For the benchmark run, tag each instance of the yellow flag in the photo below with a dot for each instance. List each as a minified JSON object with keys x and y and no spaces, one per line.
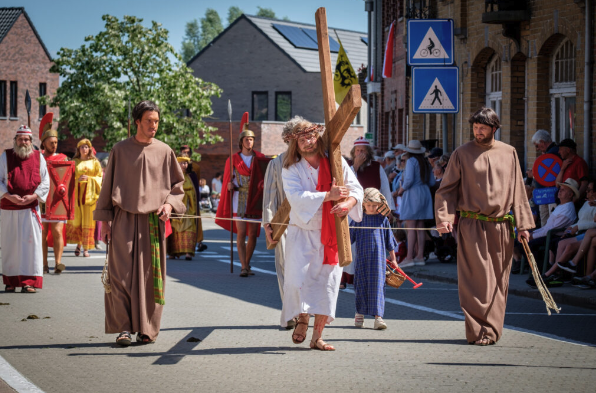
{"x":344,"y":76}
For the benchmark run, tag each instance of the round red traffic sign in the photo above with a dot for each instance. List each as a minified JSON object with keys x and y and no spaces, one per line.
{"x":546,"y":168}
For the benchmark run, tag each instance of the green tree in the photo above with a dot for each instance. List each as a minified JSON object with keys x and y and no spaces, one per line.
{"x":191,"y":42}
{"x":129,"y":61}
{"x":233,"y":14}
{"x":210,"y":27}
{"x":266,"y":13}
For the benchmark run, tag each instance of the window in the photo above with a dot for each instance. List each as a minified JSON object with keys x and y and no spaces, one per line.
{"x":494,"y":94}
{"x":13,"y":99}
{"x":42,"y":92}
{"x":260,"y":106}
{"x":563,"y":91}
{"x":283,"y":106}
{"x":2,"y":98}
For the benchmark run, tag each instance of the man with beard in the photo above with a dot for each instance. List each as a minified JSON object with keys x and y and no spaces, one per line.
{"x":483,"y":181}
{"x":246,"y":203}
{"x":53,"y":233}
{"x":142,"y":186}
{"x":312,"y":271}
{"x":24,"y":182}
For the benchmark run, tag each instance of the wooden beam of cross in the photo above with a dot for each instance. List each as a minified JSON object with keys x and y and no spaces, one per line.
{"x":336,"y":125}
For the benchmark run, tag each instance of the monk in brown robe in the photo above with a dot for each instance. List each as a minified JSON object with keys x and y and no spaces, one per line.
{"x":484,"y":182}
{"x":142,"y":185}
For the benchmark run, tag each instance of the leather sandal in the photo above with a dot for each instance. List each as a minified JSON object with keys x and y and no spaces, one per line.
{"x":144,"y":339}
{"x":321,"y":345}
{"x":244,"y":273}
{"x":124,"y":339}
{"x":301,"y":337}
{"x":46,"y":269}
{"x":9,"y":289}
{"x":59,"y":268}
{"x":28,"y":289}
{"x":86,"y":253}
{"x":77,"y":251}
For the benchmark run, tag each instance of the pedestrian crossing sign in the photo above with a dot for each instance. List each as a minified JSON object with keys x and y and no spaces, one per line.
{"x":430,"y":42}
{"x":435,"y":89}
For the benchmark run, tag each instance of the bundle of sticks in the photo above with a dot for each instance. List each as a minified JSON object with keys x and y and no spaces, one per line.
{"x":546,"y":296}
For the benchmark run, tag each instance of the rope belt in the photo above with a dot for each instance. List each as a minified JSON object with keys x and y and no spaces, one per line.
{"x":482,"y":217}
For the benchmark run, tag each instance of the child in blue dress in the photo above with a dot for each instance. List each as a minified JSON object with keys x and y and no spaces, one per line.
{"x":372,"y":246}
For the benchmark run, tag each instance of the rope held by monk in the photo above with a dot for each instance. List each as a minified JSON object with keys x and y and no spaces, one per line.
{"x":105,"y":278}
{"x":176,"y":215}
{"x":546,"y":296}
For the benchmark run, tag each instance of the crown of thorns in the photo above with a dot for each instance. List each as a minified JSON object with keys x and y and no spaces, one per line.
{"x":315,"y":128}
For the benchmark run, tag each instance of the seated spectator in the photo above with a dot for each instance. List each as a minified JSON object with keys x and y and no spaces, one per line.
{"x":562,"y":217}
{"x":216,"y":189}
{"x":543,"y":142}
{"x":533,"y":206}
{"x":204,"y":194}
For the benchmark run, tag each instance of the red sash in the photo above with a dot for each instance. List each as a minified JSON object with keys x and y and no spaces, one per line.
{"x":328,"y":234}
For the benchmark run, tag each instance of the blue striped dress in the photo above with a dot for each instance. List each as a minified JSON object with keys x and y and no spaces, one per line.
{"x":372,"y":246}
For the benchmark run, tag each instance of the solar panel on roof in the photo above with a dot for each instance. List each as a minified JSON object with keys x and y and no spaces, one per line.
{"x":364,"y":39}
{"x":312,"y":33}
{"x":296,"y":36}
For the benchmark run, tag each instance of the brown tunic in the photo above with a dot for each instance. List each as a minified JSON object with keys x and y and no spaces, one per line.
{"x":485,"y":180}
{"x":138,"y":180}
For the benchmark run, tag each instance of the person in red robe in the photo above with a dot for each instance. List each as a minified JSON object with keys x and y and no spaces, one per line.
{"x":53,"y":233}
{"x":247,"y":201}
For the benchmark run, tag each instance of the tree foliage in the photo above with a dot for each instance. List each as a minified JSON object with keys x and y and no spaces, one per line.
{"x":210,"y":27}
{"x":266,"y":13}
{"x":129,"y":61}
{"x":233,"y":14}
{"x":191,"y":43}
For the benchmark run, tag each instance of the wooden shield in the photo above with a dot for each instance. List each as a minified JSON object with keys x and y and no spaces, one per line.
{"x":60,"y":202}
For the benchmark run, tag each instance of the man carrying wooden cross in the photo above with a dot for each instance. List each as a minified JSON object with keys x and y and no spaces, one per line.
{"x":312,"y":272}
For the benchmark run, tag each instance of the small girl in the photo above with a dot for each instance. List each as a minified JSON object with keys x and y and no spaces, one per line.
{"x":402,"y":249}
{"x":372,"y":244}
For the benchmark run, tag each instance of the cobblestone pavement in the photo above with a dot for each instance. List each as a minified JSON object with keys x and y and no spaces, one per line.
{"x":220,"y":332}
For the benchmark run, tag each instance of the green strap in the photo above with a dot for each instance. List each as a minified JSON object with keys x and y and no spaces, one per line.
{"x":482,"y":217}
{"x":158,"y":294}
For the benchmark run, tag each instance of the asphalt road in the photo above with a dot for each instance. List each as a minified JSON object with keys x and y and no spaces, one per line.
{"x":221,"y":332}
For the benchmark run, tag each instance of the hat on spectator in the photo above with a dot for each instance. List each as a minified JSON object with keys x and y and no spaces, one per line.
{"x":399,"y":146}
{"x":568,"y":143}
{"x":435,"y":152}
{"x":389,"y":154}
{"x":361,"y":142}
{"x":572,"y":184}
{"x":415,"y":147}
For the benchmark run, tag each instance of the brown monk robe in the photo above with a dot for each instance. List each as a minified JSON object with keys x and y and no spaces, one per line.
{"x":483,"y":179}
{"x":140,"y":177}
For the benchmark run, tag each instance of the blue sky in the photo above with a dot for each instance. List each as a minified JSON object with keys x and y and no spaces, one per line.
{"x":65,"y":23}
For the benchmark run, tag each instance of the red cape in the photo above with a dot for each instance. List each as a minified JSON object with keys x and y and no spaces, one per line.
{"x":50,"y":238}
{"x":254,"y":206}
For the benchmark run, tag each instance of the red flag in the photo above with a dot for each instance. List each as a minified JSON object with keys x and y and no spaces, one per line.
{"x":388,"y":61}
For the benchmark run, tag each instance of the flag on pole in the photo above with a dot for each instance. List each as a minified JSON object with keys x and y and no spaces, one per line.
{"x":344,"y":76}
{"x":388,"y":61}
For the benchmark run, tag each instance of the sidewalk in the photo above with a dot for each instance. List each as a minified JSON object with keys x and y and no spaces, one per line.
{"x":565,"y":295}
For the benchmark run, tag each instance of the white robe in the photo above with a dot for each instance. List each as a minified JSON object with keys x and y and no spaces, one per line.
{"x":20,"y":231}
{"x":309,"y":286}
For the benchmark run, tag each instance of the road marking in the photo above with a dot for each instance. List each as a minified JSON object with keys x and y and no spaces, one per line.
{"x":254,"y":252}
{"x":14,"y":379}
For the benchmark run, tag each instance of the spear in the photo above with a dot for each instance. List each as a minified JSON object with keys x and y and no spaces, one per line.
{"x":28,"y":106}
{"x":231,"y":193}
{"x":129,"y":117}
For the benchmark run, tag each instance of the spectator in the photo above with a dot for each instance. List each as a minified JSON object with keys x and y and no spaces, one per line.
{"x":395,"y":184}
{"x":216,"y":189}
{"x":416,"y":200}
{"x":439,"y":167}
{"x":204,"y":194}
{"x":389,"y":161}
{"x":574,"y":167}
{"x":545,"y":145}
{"x":398,"y":149}
{"x":434,"y":155}
{"x":562,"y":217}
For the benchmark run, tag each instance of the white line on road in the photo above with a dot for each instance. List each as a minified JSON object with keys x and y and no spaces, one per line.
{"x":14,"y":379}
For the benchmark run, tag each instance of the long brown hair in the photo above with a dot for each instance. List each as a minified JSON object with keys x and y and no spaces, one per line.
{"x":293,"y":154}
{"x":425,"y":169}
{"x":78,"y":151}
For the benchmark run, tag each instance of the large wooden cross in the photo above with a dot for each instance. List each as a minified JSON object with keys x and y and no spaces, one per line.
{"x":337,"y":123}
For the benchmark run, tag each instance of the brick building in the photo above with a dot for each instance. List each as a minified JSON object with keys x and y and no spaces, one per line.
{"x":24,"y":65}
{"x":525,"y":59}
{"x":269,"y":68}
